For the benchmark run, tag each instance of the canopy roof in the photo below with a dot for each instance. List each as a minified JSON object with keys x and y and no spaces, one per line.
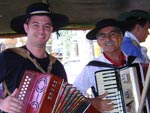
{"x":83,"y":14}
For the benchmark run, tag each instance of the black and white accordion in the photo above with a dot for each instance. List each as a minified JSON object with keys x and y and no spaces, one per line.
{"x":124,"y":86}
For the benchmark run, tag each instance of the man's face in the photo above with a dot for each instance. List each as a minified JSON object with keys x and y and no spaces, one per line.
{"x":38,"y":29}
{"x":143,"y":32}
{"x":109,"y":39}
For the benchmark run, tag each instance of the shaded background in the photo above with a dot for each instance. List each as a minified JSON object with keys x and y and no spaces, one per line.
{"x":83,"y":14}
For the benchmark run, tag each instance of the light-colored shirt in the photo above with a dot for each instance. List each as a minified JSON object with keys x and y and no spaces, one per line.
{"x":86,"y":79}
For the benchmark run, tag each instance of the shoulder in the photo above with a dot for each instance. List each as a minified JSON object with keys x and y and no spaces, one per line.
{"x":8,"y":53}
{"x":10,"y":56}
{"x":56,"y":61}
{"x":12,"y":50}
{"x":130,"y":48}
{"x":101,"y":58}
{"x":58,"y":69}
{"x":56,"y":64}
{"x":127,"y":41}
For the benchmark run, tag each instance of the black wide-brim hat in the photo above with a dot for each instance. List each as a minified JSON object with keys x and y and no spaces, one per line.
{"x":58,"y":20}
{"x":91,"y":35}
{"x":136,"y":14}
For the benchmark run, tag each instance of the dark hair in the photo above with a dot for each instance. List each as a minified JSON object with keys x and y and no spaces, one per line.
{"x":130,"y":23}
{"x":117,"y":29}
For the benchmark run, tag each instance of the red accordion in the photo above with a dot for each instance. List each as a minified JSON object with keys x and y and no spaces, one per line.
{"x":47,"y":93}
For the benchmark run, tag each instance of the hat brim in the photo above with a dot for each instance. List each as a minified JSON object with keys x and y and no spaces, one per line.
{"x":127,"y":15}
{"x":91,"y":35}
{"x":58,"y":21}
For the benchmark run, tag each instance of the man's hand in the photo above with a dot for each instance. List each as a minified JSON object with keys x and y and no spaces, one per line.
{"x":102,"y":104}
{"x":11,"y":104}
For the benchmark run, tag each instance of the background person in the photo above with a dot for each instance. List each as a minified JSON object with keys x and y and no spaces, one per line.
{"x":137,"y":23}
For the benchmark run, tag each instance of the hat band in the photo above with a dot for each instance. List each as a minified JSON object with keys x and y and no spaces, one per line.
{"x":37,"y":12}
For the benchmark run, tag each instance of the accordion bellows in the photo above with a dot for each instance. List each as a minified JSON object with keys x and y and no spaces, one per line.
{"x":47,"y":93}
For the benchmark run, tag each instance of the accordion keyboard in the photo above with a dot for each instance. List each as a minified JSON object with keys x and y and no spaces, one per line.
{"x":107,"y":82}
{"x":122,"y":87}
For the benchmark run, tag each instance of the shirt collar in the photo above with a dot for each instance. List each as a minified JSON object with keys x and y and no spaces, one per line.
{"x":131,"y":36}
{"x":123,"y":58}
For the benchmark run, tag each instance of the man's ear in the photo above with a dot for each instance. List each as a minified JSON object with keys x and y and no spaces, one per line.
{"x":137,"y":27}
{"x":25,"y":27}
{"x":98,"y":43}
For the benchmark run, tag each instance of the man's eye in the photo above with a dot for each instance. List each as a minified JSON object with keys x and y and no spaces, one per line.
{"x":35,"y":25}
{"x":102,"y":36}
{"x":47,"y":26}
{"x":112,"y":33}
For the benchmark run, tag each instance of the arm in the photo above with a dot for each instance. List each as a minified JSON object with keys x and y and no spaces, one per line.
{"x":84,"y":81}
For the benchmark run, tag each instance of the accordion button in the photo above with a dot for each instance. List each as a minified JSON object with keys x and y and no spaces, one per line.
{"x":28,"y":82}
{"x":53,"y":85}
{"x":49,"y":97}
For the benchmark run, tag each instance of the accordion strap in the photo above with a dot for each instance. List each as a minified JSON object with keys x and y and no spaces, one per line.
{"x":103,"y":64}
{"x":25,"y":54}
{"x":100,"y":64}
{"x":6,"y":91}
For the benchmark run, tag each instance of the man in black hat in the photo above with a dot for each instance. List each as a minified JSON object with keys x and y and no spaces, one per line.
{"x":136,"y":25}
{"x":109,"y":36}
{"x":38,"y":23}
